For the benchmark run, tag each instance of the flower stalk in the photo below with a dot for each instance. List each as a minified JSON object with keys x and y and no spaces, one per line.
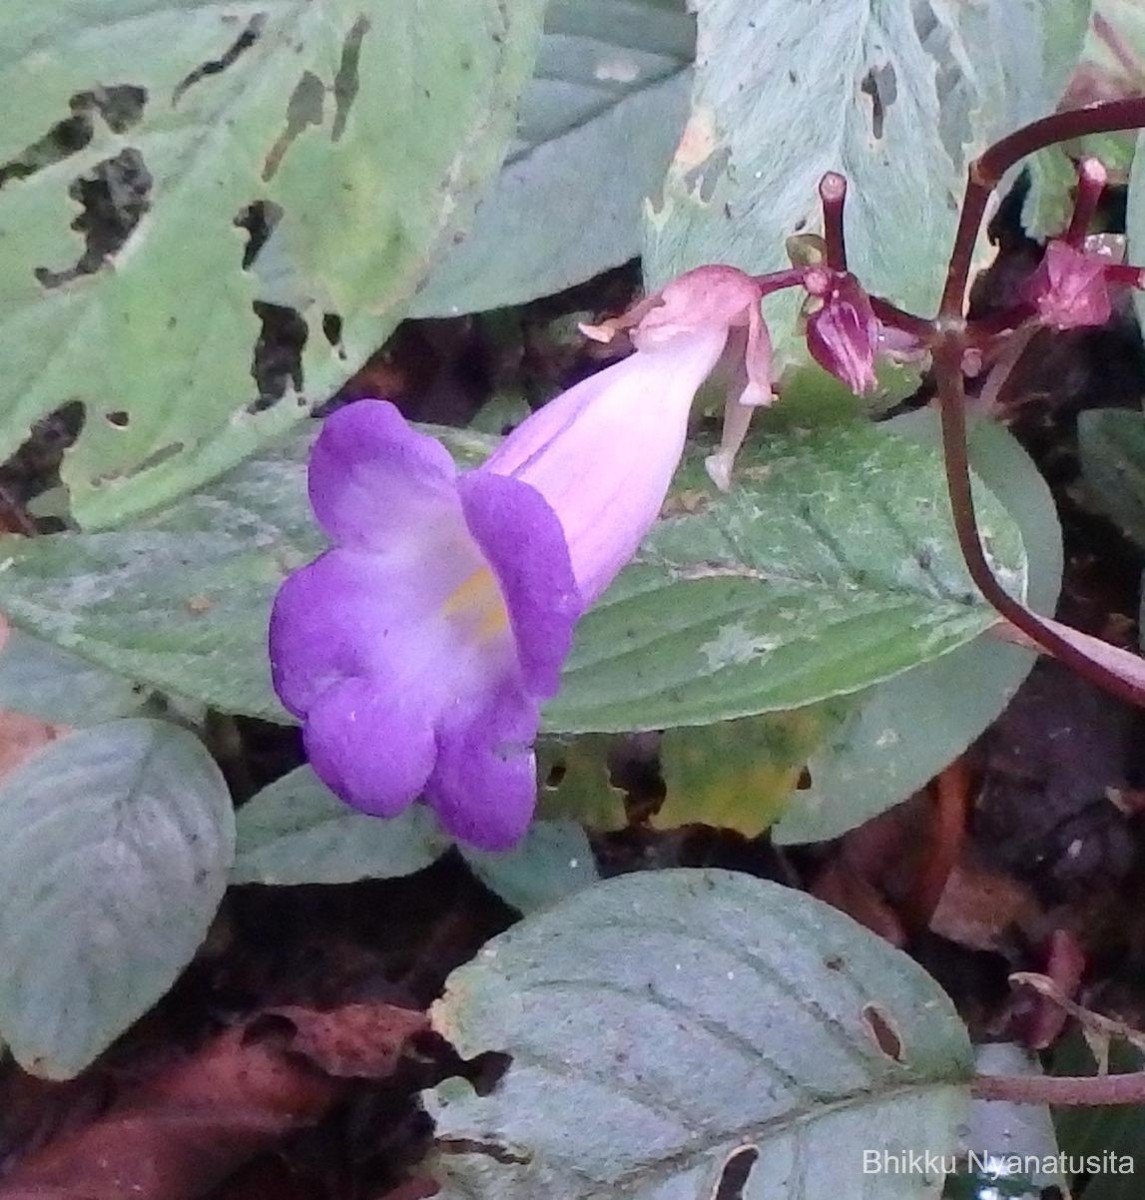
{"x":1071,"y":288}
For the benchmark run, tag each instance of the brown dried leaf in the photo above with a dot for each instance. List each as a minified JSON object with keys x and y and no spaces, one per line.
{"x":178,"y":1135}
{"x":357,"y":1041}
{"x":841,"y":886}
{"x":21,"y":736}
{"x":980,"y":908}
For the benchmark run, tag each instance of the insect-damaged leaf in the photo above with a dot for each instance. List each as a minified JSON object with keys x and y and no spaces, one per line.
{"x":659,"y":1024}
{"x":898,"y":97}
{"x":211,"y":214}
{"x":830,"y":565}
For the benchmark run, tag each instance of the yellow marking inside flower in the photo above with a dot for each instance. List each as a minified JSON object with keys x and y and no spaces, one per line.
{"x":478,"y":599}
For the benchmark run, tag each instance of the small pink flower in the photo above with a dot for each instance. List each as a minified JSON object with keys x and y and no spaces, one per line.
{"x":1070,"y":288}
{"x":843,"y":333}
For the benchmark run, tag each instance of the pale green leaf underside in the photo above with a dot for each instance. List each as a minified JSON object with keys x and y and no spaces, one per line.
{"x":114,"y":848}
{"x":658,"y":1023}
{"x":597,"y":127}
{"x":360,"y":129}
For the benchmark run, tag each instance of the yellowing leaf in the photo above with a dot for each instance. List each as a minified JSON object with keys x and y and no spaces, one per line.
{"x":740,"y":774}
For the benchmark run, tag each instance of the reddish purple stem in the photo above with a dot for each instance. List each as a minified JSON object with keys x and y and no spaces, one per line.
{"x":1091,"y":179}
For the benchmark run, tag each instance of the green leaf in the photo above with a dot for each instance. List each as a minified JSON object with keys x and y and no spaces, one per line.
{"x":505,"y":410}
{"x":114,"y":848}
{"x":1049,"y":203}
{"x":182,"y":599}
{"x":810,"y":567}
{"x":598,"y":125}
{"x":1111,"y":447}
{"x":897,"y":97}
{"x":553,"y":860}
{"x":306,"y":155}
{"x":47,"y":682}
{"x":739,"y":774}
{"x":903,"y":732}
{"x":1135,"y":219}
{"x":661,"y":1023}
{"x":830,"y":565}
{"x":297,"y":831}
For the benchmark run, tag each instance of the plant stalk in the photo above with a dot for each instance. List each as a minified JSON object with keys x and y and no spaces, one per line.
{"x":1067,"y":1091}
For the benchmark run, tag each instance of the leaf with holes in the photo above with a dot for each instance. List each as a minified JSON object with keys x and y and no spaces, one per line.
{"x":574,"y":782}
{"x":661,"y":1025}
{"x":900,"y":733}
{"x":740,"y":774}
{"x":830,"y":565}
{"x":210,"y":215}
{"x":897,"y":97}
{"x":598,"y":124}
{"x":114,"y":848}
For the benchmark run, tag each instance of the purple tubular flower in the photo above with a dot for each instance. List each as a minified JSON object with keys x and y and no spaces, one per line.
{"x":603,"y":453}
{"x":417,"y":650}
